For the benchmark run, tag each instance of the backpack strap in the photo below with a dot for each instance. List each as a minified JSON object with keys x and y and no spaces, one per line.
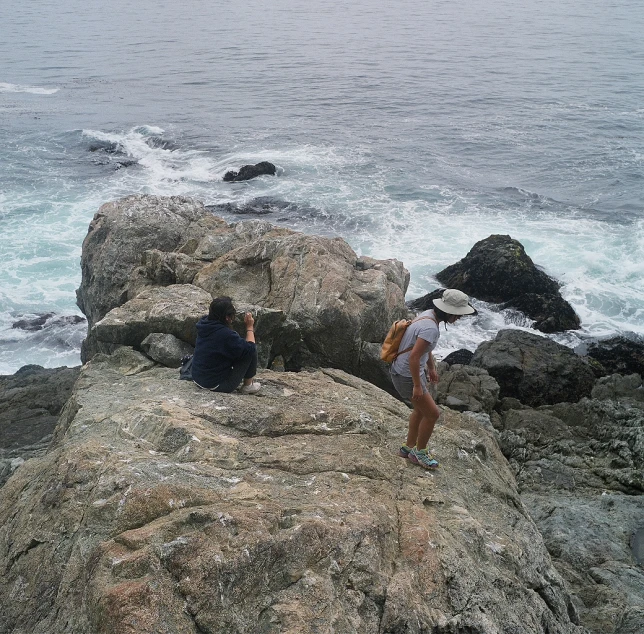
{"x":413,"y":320}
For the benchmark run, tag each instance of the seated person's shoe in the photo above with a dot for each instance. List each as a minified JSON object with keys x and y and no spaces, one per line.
{"x":253,"y":388}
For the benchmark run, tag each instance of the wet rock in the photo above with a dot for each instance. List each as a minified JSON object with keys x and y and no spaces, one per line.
{"x":246,"y":172}
{"x":260,"y":206}
{"x":498,"y":270}
{"x":30,"y":401}
{"x":460,"y":357}
{"x":182,"y":510}
{"x":533,"y":369}
{"x":38,"y":322}
{"x":619,"y":355}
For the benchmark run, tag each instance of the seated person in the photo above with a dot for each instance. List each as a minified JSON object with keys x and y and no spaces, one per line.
{"x":222,"y":359}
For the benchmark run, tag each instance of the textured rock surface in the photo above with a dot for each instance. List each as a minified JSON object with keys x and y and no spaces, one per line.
{"x":619,"y":355}
{"x":246,"y":172}
{"x":466,"y":388}
{"x":334,"y":304}
{"x":165,"y":508}
{"x":534,"y":369}
{"x":499,"y":270}
{"x":30,"y":401}
{"x":580,"y":470}
{"x":166,"y":349}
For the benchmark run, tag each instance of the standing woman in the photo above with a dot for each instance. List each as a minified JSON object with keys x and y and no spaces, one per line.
{"x":413,"y":366}
{"x":222,"y":359}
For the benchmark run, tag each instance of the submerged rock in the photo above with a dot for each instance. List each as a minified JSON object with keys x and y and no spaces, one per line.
{"x":183,"y":510}
{"x":246,"y":172}
{"x":498,"y":270}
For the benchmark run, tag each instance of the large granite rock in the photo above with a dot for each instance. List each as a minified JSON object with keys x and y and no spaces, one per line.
{"x":30,"y":401}
{"x":466,"y":389}
{"x":579,"y":467}
{"x":499,"y":270}
{"x":165,"y":508}
{"x":334,"y":306}
{"x":534,"y":369}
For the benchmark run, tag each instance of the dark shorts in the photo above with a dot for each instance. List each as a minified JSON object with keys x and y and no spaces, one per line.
{"x":405,"y":384}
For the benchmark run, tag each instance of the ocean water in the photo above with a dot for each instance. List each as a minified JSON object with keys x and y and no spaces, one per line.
{"x":410,"y":129}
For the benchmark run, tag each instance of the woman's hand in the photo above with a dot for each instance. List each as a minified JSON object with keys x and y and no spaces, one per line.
{"x":433,"y":375}
{"x":249,"y":321}
{"x":417,"y":393}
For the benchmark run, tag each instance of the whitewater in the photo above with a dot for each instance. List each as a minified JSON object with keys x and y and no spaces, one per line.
{"x":410,"y":131}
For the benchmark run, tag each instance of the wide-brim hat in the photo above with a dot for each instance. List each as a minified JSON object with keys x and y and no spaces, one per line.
{"x":454,"y":302}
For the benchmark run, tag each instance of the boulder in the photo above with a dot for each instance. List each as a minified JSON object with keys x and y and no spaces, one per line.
{"x":534,"y":369}
{"x":460,"y":357}
{"x":30,"y":401}
{"x":166,"y":349}
{"x":466,"y":388}
{"x":246,"y":172}
{"x":165,"y":508}
{"x":579,"y":468}
{"x":331,"y":304}
{"x":499,"y":270}
{"x":619,"y":355}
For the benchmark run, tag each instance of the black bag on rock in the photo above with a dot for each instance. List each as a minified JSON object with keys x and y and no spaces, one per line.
{"x":185,"y":371}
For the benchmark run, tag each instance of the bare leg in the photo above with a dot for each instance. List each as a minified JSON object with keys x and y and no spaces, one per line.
{"x":423,"y":418}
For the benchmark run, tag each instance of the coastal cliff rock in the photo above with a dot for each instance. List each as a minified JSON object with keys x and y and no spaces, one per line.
{"x":499,"y":270}
{"x":161,"y":507}
{"x":619,"y":355}
{"x":246,"y":172}
{"x":534,"y":369}
{"x":30,"y":401}
{"x":579,"y":467}
{"x":334,"y":306}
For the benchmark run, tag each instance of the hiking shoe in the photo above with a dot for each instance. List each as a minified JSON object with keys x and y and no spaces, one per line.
{"x":422,"y":459}
{"x":404,"y":451}
{"x":253,"y":388}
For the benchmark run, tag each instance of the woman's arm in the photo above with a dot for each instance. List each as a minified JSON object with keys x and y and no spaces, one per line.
{"x":250,"y":327}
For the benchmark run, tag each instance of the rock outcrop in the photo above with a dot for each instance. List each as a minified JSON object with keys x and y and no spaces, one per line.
{"x":322,"y":305}
{"x":533,"y":369}
{"x":619,"y":355}
{"x":161,"y":507}
{"x":246,"y":172}
{"x":30,"y":401}
{"x":499,"y":270}
{"x":579,"y":467}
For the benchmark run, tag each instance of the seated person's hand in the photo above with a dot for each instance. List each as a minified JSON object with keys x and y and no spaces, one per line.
{"x":248,"y":320}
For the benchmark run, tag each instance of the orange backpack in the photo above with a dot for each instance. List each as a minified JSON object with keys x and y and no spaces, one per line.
{"x":389,"y":351}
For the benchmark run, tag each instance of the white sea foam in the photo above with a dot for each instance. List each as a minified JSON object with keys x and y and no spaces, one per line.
{"x":34,"y":90}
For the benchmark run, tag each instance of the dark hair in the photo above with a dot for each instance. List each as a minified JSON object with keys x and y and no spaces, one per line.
{"x":441,"y":315}
{"x":220,"y":308}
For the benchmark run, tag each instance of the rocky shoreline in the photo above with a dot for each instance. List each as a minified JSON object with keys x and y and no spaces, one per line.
{"x":153,"y":506}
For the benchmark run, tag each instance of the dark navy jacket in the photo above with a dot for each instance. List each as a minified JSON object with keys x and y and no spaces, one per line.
{"x":217,"y":348}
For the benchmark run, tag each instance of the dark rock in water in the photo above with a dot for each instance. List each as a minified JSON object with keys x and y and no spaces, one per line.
{"x":33,"y":324}
{"x":619,"y":355}
{"x":160,"y":143}
{"x":533,"y":369}
{"x":498,"y":270}
{"x":260,"y":206}
{"x":461,"y":357}
{"x":30,"y":401}
{"x":124,"y":163}
{"x":247,"y":172}
{"x":425,"y":302}
{"x":109,"y":147}
{"x":551,"y":312}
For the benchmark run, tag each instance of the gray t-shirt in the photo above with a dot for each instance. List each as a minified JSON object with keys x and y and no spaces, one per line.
{"x":426,"y":329}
